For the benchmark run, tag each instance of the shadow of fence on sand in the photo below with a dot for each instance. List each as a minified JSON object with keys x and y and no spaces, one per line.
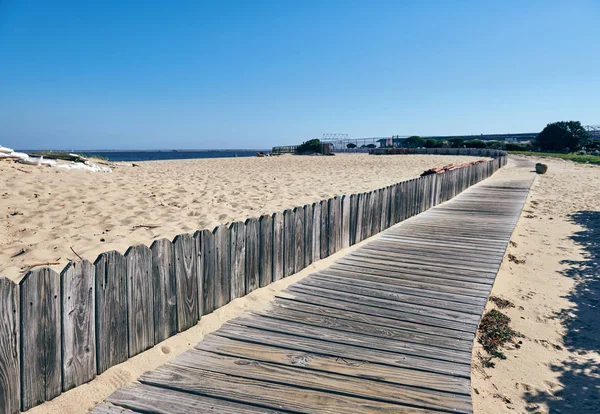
{"x":580,"y":376}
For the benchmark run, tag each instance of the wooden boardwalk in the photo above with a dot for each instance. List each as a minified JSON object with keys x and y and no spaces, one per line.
{"x":387,"y":328}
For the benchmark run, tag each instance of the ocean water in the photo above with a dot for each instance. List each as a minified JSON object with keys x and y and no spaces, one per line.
{"x":148,"y":155}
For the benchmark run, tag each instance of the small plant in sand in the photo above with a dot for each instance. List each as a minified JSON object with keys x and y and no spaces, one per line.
{"x":494,"y":332}
{"x":501,"y":303}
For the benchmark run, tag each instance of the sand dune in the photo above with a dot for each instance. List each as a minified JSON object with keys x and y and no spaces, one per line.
{"x":47,"y":211}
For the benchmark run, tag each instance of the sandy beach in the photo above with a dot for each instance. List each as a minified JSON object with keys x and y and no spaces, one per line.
{"x":47,"y":211}
{"x":555,"y":296}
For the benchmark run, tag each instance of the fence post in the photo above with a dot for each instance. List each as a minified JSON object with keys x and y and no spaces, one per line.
{"x":308,"y":235}
{"x":78,"y":317}
{"x":316,"y":231}
{"x":223,"y":266}
{"x":252,"y":254}
{"x":265,"y":264}
{"x":288,"y":242}
{"x":111,"y":310}
{"x":237,"y":251}
{"x":164,"y":290}
{"x":324,"y":232}
{"x":278,"y":246}
{"x":298,"y":239}
{"x":186,"y":281}
{"x":140,"y":312}
{"x":10,"y":372}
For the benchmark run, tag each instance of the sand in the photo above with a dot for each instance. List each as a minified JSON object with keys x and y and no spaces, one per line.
{"x":47,"y":212}
{"x":556,"y":297}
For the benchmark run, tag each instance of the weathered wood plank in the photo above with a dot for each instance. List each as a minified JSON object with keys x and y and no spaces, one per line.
{"x":164,"y":290}
{"x":252,"y":254}
{"x":278,"y":246}
{"x":288,"y":243}
{"x":78,"y":317}
{"x":41,"y":373}
{"x":146,"y":398}
{"x":110,"y":409}
{"x":10,"y":372}
{"x":360,"y":216}
{"x":345,"y":227}
{"x":237,"y":251}
{"x":308,"y":234}
{"x":111,"y":310}
{"x":324,"y":231}
{"x":140,"y":298}
{"x":316,"y":232}
{"x":298,"y":239}
{"x":186,"y":281}
{"x":265,"y":261}
{"x":199,"y":250}
{"x":325,"y":363}
{"x":223,"y":266}
{"x":333,"y":224}
{"x":209,"y":271}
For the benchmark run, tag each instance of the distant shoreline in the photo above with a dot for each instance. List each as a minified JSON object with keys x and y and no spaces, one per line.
{"x":159,"y":155}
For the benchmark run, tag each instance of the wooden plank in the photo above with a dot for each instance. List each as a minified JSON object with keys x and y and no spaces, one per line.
{"x":140,"y":299}
{"x":376,"y":221}
{"x":308,"y":234}
{"x":298,"y":239}
{"x":352,"y":219}
{"x":345,"y":228}
{"x":186,"y":281}
{"x":288,"y":242}
{"x":385,"y":209}
{"x":278,"y":246}
{"x":10,"y":372}
{"x":392,"y":205}
{"x":326,"y":363}
{"x":324,"y":231}
{"x":265,"y":262}
{"x":331,"y":383}
{"x":110,"y":409}
{"x":316,"y":231}
{"x":360,"y":215}
{"x":78,"y":318}
{"x":223,"y":266}
{"x":265,"y":394}
{"x":207,"y":256}
{"x":146,"y":398}
{"x":333,"y":222}
{"x":164,"y":290}
{"x":111,"y":310}
{"x":252,"y":254}
{"x":368,"y":216}
{"x":199,"y":250}
{"x":237,"y":251}
{"x":41,"y":373}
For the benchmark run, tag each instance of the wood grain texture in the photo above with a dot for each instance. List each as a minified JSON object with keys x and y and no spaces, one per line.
{"x":209,"y":271}
{"x":324,"y":230}
{"x":345,"y":225}
{"x":140,"y":298}
{"x":110,"y":409}
{"x":278,"y":246}
{"x":164,"y":288}
{"x":111,"y":310}
{"x":10,"y":373}
{"x":78,"y":318}
{"x":333,"y":225}
{"x":298,"y":239}
{"x":198,"y":242}
{"x":308,"y":235}
{"x":360,"y":214}
{"x":316,"y":232}
{"x":289,"y":246}
{"x":252,"y":254}
{"x":237,"y":251}
{"x":186,"y":281}
{"x":265,"y":263}
{"x":41,"y":370}
{"x":223,"y":266}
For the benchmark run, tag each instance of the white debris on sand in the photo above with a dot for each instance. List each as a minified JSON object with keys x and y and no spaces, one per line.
{"x":81,"y":164}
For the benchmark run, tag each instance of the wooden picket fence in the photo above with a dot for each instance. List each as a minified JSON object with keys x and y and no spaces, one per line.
{"x":58,"y":331}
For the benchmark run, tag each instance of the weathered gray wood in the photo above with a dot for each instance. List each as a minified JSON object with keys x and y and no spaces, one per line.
{"x":237,"y":251}
{"x":252,"y":254}
{"x":376,"y":224}
{"x":360,"y":215}
{"x":223,"y":266}
{"x":111,"y":310}
{"x":41,"y":373}
{"x":209,"y":260}
{"x":316,"y":232}
{"x":148,"y":399}
{"x":345,"y":227}
{"x":324,"y":231}
{"x":298,"y":239}
{"x":352,"y":219}
{"x":110,"y":409}
{"x":289,"y":246}
{"x":278,"y":246}
{"x":140,"y":298}
{"x":308,"y":235}
{"x":78,"y":317}
{"x":392,"y":205}
{"x":10,"y":373}
{"x":265,"y":263}
{"x":369,"y":214}
{"x":164,"y":290}
{"x":186,"y":281}
{"x":333,"y":224}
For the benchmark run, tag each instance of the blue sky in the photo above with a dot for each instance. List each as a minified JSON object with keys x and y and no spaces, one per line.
{"x":253,"y":74}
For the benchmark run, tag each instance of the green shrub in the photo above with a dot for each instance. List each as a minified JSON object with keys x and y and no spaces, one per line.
{"x":456,"y":142}
{"x":310,"y":146}
{"x":563,"y":136}
{"x":475,"y":143}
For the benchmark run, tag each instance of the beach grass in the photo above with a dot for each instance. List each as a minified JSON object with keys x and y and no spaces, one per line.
{"x":581,"y":159}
